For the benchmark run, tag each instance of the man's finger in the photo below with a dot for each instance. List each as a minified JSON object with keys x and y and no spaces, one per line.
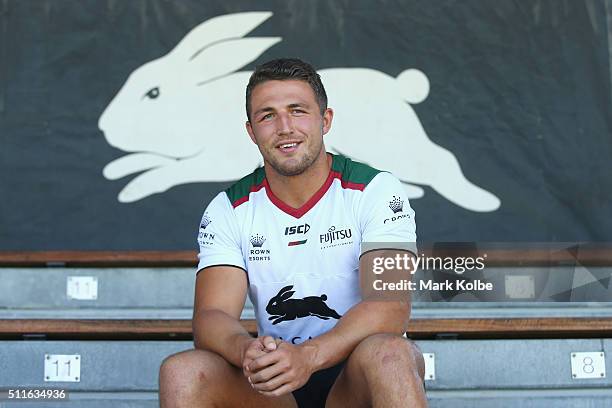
{"x":250,"y":356}
{"x":253,"y":354}
{"x":245,"y":364}
{"x":272,"y":384}
{"x":269,"y":342}
{"x":267,"y":373}
{"x":264,"y":361}
{"x":285,"y":389}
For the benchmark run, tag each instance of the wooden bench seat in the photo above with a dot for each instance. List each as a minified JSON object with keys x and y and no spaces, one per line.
{"x":587,"y":255}
{"x":122,"y":329}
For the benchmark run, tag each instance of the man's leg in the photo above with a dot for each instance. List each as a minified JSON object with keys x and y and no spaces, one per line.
{"x":384,"y":370}
{"x":198,"y":378}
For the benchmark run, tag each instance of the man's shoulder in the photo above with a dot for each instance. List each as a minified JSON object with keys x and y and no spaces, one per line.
{"x":239,"y":192}
{"x":353,"y":174}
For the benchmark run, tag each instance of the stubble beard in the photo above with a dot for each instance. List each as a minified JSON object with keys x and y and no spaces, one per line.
{"x":296,"y":167}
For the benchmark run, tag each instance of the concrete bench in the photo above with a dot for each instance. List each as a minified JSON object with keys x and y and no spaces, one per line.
{"x":479,"y":354}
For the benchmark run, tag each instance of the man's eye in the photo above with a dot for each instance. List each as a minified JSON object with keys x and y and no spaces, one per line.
{"x":266,"y":117}
{"x":298,"y":111}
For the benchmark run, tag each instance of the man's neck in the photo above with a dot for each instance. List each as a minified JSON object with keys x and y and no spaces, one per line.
{"x":295,"y":191}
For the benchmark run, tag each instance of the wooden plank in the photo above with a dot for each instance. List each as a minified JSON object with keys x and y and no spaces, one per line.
{"x":103,"y":328}
{"x":419,"y":328}
{"x":513,"y":328}
{"x":588,"y":255}
{"x":99,"y":258}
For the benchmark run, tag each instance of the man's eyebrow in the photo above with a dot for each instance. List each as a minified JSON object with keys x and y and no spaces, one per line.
{"x":271,"y":109}
{"x":298,"y":105}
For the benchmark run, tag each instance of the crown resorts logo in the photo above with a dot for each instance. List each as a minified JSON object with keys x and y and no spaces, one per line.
{"x":257,"y":240}
{"x":205,"y":238}
{"x":257,"y":252}
{"x":397,"y":206}
{"x":205,"y":221}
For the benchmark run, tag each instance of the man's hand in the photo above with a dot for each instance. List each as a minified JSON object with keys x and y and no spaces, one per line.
{"x":281,"y":371}
{"x":255,"y":348}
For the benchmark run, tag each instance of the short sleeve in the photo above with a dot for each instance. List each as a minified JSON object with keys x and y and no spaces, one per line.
{"x":385,"y":214}
{"x":219,"y":235}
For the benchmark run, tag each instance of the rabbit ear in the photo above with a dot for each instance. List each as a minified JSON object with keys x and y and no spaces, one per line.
{"x":285,"y":289}
{"x":286,"y":295}
{"x":230,"y":26}
{"x":228,"y":56}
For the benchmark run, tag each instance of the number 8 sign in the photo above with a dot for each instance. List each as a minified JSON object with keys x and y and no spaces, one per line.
{"x":588,"y":365}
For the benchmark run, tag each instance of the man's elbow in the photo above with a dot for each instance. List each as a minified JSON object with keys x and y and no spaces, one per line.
{"x":197,"y":338}
{"x":198,"y":330}
{"x":396,"y":317}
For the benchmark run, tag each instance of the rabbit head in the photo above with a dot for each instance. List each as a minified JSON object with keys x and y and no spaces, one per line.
{"x":276,"y":303}
{"x":164,"y":106}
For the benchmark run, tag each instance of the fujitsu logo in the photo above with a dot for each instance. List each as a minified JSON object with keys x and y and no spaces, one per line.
{"x":257,"y":241}
{"x":396,"y":205}
{"x":334,"y":235}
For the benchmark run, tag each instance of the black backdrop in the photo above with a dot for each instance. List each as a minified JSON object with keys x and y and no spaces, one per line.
{"x":520,"y":93}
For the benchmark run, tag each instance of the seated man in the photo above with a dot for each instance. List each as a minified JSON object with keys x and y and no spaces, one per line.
{"x":290,"y":234}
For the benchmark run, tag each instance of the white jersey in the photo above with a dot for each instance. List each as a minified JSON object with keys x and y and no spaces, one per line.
{"x":302,"y":264}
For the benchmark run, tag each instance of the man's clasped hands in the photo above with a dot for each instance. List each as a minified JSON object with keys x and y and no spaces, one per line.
{"x":274,"y":367}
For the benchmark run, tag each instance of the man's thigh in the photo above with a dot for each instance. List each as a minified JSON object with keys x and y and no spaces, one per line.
{"x":349,"y":390}
{"x":222,"y":382}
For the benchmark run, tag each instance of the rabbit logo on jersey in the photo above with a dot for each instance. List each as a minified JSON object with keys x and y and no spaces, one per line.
{"x":281,"y":308}
{"x":169,"y":109}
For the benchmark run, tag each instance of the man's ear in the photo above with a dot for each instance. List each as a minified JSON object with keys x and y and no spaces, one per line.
{"x":249,"y":130}
{"x":328,"y":116}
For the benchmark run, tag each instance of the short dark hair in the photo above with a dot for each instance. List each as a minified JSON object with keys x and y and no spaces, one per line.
{"x":286,"y":69}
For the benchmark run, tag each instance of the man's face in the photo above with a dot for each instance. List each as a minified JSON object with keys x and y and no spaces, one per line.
{"x":287,"y":126}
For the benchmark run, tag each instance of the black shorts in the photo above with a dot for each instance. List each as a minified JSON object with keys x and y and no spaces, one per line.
{"x":314,"y":393}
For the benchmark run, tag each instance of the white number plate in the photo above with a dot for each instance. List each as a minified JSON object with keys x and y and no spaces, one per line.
{"x":520,"y":287}
{"x":82,"y":287}
{"x":588,"y":365}
{"x":430,"y":366}
{"x":63,"y":367}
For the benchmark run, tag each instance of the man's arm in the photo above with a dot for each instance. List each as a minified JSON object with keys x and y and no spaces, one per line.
{"x":219,"y":299}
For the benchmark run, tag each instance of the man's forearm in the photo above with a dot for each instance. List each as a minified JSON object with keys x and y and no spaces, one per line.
{"x":221,"y":333}
{"x":362,"y":320}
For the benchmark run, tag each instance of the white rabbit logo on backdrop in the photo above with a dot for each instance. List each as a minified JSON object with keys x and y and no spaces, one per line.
{"x":181,"y":118}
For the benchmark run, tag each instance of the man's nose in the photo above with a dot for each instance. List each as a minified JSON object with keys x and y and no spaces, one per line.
{"x":284,"y":124}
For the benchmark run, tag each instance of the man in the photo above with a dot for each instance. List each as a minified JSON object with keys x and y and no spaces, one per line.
{"x":290,"y":234}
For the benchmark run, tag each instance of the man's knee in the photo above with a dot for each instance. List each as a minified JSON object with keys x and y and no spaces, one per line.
{"x":386,"y":350}
{"x":189,"y":370}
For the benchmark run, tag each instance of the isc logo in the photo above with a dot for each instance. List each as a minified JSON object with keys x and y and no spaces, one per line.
{"x":297,"y":229}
